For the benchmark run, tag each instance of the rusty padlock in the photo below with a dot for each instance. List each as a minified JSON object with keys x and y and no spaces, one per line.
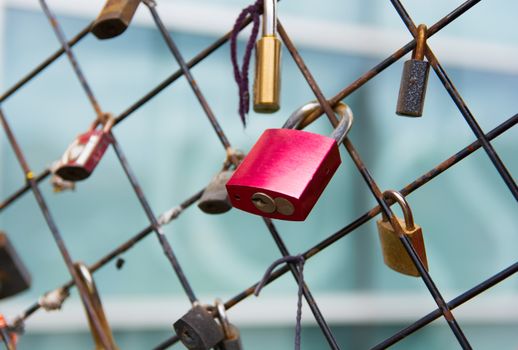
{"x":394,"y":253}
{"x":287,"y":170}
{"x":232,"y":339}
{"x":83,"y":155}
{"x":198,"y":330}
{"x":87,"y":280}
{"x":267,"y":84}
{"x":14,"y":276}
{"x":214,"y":199}
{"x":114,"y":18}
{"x":414,"y":79}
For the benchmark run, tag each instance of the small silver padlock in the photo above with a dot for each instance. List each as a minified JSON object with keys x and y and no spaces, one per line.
{"x":198,"y":330}
{"x":414,"y":79}
{"x":232,"y":339}
{"x":214,"y":199}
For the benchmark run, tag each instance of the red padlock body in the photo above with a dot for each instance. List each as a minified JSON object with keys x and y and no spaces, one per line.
{"x":91,"y":147}
{"x":291,"y":164}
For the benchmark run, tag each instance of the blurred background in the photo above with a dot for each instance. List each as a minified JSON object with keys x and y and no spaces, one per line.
{"x":468,"y":216}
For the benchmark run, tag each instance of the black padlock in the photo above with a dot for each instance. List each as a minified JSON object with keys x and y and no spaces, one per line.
{"x":232,"y":339}
{"x":414,"y":79}
{"x":114,"y":18}
{"x":14,"y":276}
{"x":215,"y":197}
{"x":198,"y":330}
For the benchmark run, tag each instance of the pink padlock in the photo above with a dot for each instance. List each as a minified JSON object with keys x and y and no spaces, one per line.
{"x":83,"y":155}
{"x":287,"y":170}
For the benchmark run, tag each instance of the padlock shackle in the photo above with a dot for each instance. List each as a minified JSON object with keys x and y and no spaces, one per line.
{"x":345,"y":124}
{"x":420,"y":44}
{"x":401,"y":200}
{"x":269,"y":17}
{"x":85,"y":276}
{"x":341,"y":109}
{"x":223,"y":318}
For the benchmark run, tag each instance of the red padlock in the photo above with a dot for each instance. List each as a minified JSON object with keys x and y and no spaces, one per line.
{"x":287,"y":170}
{"x":83,"y":155}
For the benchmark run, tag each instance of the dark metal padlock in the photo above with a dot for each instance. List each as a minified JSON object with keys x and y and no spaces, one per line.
{"x":198,"y":330}
{"x":267,"y":84}
{"x":215,"y":198}
{"x":87,"y":280}
{"x":232,"y":339}
{"x":394,"y":253}
{"x":287,"y":170}
{"x":14,"y":276}
{"x":414,"y":79}
{"x":83,"y":155}
{"x":114,"y":18}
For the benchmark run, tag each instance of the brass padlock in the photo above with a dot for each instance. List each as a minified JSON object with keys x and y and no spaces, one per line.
{"x":394,"y":253}
{"x":267,"y":85}
{"x":86,"y":279}
{"x":214,"y":199}
{"x":14,"y":276}
{"x":232,"y":339}
{"x":414,"y":79}
{"x":114,"y":18}
{"x":198,"y":330}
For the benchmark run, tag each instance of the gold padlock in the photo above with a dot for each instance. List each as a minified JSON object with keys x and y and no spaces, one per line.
{"x":394,"y":253}
{"x":267,"y":85}
{"x":87,"y":280}
{"x":114,"y":18}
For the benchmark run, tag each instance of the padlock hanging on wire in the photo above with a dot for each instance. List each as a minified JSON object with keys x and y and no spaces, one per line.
{"x":414,"y":79}
{"x":198,"y":330}
{"x":267,"y":83}
{"x":114,"y":18}
{"x":214,"y":199}
{"x":83,"y":155}
{"x":232,"y":340}
{"x":14,"y":276}
{"x":287,"y":170}
{"x":394,"y":253}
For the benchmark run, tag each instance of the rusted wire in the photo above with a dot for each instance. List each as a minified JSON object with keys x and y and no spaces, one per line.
{"x":483,"y":141}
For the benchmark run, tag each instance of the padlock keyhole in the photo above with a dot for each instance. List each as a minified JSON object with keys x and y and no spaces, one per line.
{"x":237,"y":197}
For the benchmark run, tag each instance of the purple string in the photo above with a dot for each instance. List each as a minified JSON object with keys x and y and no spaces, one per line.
{"x":241,"y":76}
{"x":299,"y":260}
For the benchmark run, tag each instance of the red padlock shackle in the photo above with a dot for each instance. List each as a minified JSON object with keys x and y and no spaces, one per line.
{"x":341,"y":109}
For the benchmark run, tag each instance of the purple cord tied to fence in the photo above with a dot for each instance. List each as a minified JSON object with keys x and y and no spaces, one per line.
{"x":299,"y":260}
{"x":241,"y":75}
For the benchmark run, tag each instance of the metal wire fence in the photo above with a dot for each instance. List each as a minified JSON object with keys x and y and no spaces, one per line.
{"x":444,"y":307}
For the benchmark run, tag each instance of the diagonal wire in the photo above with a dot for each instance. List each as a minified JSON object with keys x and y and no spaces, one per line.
{"x":164,"y":243}
{"x":54,"y":230}
{"x":461,"y":105}
{"x":434,"y":291}
{"x":224,"y":140}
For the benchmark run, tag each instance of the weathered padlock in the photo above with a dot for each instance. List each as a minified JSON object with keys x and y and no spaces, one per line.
{"x":214,"y":199}
{"x":394,"y":253}
{"x":87,"y":280}
{"x":198,"y":330}
{"x":14,"y":276}
{"x":83,"y":155}
{"x":232,"y":339}
{"x":287,"y":170}
{"x":267,"y":85}
{"x":114,"y":18}
{"x":414,"y":79}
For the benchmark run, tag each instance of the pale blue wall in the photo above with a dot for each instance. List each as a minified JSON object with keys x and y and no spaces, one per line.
{"x":468,"y":216}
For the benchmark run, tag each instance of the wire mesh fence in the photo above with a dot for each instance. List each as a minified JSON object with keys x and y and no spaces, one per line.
{"x":325,"y":107}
